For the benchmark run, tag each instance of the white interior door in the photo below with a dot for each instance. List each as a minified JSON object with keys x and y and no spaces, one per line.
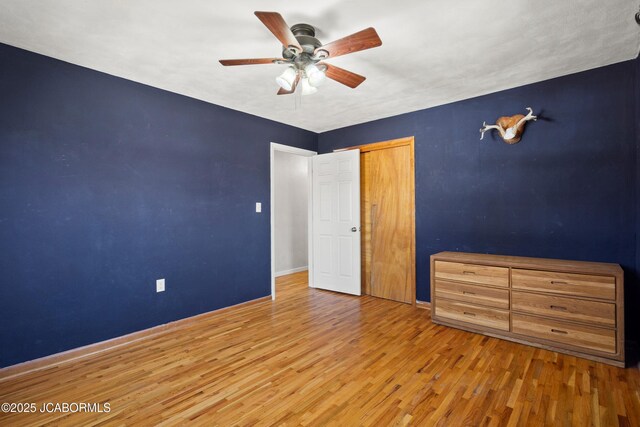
{"x":336,"y":221}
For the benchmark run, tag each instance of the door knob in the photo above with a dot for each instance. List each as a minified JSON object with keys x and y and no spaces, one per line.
{"x":353,"y":229}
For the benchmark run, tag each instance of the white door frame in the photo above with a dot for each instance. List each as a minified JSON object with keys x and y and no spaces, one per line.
{"x":300,"y":152}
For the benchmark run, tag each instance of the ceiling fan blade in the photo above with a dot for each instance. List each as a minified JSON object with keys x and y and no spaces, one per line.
{"x":343,"y":76}
{"x":251,"y":61}
{"x":283,"y":91}
{"x":362,"y":40}
{"x":275,"y":23}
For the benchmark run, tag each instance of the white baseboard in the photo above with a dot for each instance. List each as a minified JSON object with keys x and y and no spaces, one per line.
{"x":291,"y":271}
{"x":423,"y":304}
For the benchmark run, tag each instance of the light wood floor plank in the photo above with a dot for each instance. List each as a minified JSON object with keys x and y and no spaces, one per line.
{"x":319,"y":358}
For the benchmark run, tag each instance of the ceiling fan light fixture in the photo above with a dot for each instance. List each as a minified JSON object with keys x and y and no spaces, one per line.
{"x":287,"y":78}
{"x":303,"y":52}
{"x":314,"y":75}
{"x":307,"y":89}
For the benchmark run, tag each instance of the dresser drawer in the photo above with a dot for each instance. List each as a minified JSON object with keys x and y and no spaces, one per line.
{"x":587,"y":337}
{"x":584,"y":285}
{"x":472,"y":273}
{"x":564,"y":308}
{"x":475,"y":294}
{"x":473,"y":314}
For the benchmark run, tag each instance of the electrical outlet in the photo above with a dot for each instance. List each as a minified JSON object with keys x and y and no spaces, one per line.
{"x":160,"y":285}
{"x":258,"y":207}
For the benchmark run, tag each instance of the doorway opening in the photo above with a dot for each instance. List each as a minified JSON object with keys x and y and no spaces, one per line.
{"x":290,"y":211}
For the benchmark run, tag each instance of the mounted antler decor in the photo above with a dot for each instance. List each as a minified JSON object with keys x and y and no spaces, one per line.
{"x":510,"y":128}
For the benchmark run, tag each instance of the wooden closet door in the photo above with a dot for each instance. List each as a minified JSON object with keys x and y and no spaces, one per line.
{"x":387,"y":213}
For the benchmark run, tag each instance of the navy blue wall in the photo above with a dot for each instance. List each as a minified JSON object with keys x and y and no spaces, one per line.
{"x":638,"y":164}
{"x":107,"y":185}
{"x":634,"y":294}
{"x":567,"y":190}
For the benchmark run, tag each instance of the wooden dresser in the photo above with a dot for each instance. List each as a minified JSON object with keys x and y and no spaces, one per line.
{"x":571,"y":307}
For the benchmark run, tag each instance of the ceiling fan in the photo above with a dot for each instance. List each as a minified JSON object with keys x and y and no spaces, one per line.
{"x":305,"y":55}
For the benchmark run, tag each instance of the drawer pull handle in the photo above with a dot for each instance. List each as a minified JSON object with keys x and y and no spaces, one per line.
{"x":559,"y":308}
{"x":468,"y":293}
{"x":468,"y":272}
{"x":556,"y":282}
{"x":559,"y":331}
{"x":466,"y":313}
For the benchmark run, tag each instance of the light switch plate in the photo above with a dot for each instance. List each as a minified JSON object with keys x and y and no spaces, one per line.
{"x":258,"y":207}
{"x":160,"y":285}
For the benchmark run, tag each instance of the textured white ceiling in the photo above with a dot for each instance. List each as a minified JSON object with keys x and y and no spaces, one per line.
{"x":433,"y":52}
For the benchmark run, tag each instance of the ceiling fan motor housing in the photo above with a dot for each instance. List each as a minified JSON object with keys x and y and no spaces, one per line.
{"x":305,"y":34}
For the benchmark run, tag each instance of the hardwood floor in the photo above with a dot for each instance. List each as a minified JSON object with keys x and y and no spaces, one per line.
{"x":316,"y":358}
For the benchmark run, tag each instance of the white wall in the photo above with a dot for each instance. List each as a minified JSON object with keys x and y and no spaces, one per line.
{"x":290,"y":212}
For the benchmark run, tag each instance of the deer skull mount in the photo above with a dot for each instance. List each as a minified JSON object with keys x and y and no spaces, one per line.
{"x":510,"y":128}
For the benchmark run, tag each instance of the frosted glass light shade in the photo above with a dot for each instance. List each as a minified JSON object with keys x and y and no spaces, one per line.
{"x":286,"y":79}
{"x":307,"y":89}
{"x":315,"y":76}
